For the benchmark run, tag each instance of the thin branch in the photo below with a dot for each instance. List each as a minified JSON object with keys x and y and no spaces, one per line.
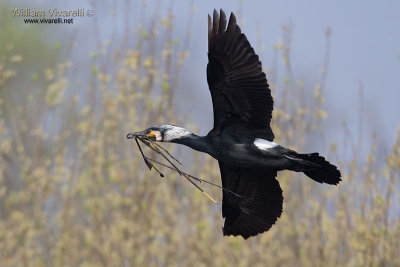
{"x":173,"y":166}
{"x":196,"y":178}
{"x":146,"y":160}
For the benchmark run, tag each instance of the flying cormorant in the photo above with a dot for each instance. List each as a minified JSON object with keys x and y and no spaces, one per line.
{"x":242,"y":139}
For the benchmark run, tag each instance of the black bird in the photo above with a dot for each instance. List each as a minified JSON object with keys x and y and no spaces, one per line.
{"x":242,"y":139}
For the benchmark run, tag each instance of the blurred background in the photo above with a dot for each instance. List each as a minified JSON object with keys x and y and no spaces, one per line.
{"x":74,"y":191}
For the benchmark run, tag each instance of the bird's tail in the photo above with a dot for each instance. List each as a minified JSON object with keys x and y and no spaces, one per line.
{"x":316,"y":167}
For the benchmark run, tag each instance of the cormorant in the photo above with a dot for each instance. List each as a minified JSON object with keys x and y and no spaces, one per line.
{"x":242,"y":139}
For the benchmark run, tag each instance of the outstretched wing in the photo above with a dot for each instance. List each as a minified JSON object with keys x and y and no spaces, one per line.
{"x":238,"y":86}
{"x":258,"y":205}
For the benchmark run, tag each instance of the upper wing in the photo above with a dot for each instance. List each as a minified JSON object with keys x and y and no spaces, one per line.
{"x":258,"y":205}
{"x":238,"y":86}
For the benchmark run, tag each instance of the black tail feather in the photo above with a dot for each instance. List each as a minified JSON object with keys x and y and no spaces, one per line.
{"x":317,"y":168}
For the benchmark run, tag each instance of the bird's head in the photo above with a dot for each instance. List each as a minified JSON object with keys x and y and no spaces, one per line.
{"x":163,"y":133}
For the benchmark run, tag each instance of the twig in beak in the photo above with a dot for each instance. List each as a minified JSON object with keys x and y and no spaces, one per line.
{"x":196,"y":178}
{"x":166,"y":151}
{"x":159,"y":150}
{"x":146,"y":160}
{"x":179,"y":171}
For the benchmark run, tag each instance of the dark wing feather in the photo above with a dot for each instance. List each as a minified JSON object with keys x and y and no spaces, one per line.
{"x":238,"y":86}
{"x":259,"y":204}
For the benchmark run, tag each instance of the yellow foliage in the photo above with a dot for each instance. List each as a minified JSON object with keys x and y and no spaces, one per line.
{"x":75,"y":192}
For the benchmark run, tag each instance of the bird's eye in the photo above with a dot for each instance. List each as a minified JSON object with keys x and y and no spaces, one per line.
{"x":228,"y":115}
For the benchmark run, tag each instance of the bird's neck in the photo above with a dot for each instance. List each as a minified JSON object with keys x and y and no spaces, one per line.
{"x":199,"y":143}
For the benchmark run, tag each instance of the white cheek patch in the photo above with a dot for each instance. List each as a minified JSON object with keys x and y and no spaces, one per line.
{"x":158,"y":135}
{"x":264,"y":144}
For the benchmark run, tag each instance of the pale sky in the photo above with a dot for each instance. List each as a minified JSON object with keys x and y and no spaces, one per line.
{"x":365,"y":47}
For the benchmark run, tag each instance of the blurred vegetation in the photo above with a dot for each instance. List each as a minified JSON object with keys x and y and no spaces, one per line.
{"x":74,"y":191}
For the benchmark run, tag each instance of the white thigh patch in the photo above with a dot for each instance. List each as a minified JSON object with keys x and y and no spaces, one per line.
{"x":264,"y":144}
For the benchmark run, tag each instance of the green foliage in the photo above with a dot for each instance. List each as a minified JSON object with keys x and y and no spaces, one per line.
{"x":74,"y":191}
